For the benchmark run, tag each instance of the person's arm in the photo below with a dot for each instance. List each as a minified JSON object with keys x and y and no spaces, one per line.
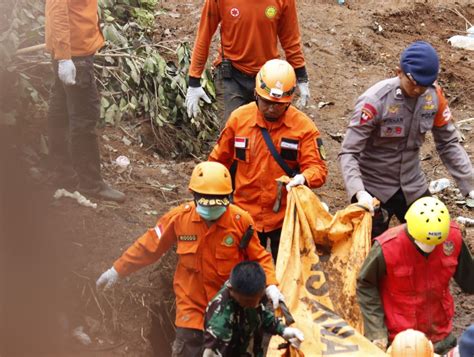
{"x":361,"y":127}
{"x":223,"y":151}
{"x":210,"y":19}
{"x":60,"y":31}
{"x":270,"y":323}
{"x":259,"y":254}
{"x":449,"y":148}
{"x":312,"y":164}
{"x":464,"y":275}
{"x":290,"y":39}
{"x":149,"y":247}
{"x":218,"y":327}
{"x":368,"y":295}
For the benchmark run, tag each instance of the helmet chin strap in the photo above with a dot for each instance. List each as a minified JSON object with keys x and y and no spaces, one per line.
{"x":427,"y":248}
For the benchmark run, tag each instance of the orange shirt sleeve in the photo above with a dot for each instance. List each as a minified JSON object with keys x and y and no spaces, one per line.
{"x":58,"y":13}
{"x":443,"y":116}
{"x":312,"y":166}
{"x":223,"y":151}
{"x":149,"y":247}
{"x":289,"y":35}
{"x":210,"y":19}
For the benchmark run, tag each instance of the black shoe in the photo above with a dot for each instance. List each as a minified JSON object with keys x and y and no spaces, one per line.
{"x":104,"y":192}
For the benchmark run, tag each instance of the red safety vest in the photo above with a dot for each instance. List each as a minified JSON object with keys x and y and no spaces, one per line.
{"x":415,"y":291}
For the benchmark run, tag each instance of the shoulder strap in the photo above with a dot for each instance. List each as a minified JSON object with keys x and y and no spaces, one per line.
{"x":268,"y":140}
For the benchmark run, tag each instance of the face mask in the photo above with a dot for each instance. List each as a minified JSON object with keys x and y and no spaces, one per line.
{"x":425,"y":247}
{"x":210,"y":213}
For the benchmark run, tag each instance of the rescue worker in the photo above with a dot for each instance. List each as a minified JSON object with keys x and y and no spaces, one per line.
{"x":237,"y":317}
{"x":73,"y":37}
{"x":381,"y":148}
{"x":249,"y":34}
{"x":207,"y":233}
{"x":296,"y":150}
{"x":404,"y":281}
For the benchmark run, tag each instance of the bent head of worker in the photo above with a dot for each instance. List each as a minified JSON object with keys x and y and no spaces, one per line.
{"x":428,"y":222}
{"x":419,"y":67}
{"x":247,"y":284}
{"x":411,"y":343}
{"x":211,"y":185}
{"x":274,"y":88}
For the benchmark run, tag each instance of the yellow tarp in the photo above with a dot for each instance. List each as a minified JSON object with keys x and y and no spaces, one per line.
{"x":318,"y":261}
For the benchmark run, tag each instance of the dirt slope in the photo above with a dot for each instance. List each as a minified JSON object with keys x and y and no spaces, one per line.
{"x":346,"y":53}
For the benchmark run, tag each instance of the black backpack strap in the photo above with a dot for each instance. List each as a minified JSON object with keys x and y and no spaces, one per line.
{"x":268,"y":140}
{"x":244,"y":242}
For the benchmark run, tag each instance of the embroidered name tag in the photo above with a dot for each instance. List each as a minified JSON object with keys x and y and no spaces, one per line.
{"x":240,"y":142}
{"x":291,"y":144}
{"x":187,"y":238}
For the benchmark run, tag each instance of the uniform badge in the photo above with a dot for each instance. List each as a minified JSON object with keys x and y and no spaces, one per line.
{"x":240,"y":142}
{"x":234,"y":12}
{"x":322,"y":150}
{"x":393,"y":109}
{"x":187,"y":238}
{"x":368,"y":113}
{"x":448,"y":248}
{"x":270,"y":12}
{"x":228,"y":241}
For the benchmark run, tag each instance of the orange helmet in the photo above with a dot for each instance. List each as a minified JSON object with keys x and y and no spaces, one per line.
{"x":210,"y":178}
{"x":411,"y":343}
{"x":276,"y":81}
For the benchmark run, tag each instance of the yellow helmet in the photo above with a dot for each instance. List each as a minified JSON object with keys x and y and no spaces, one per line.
{"x":211,"y":178}
{"x":428,"y":221}
{"x":411,"y":343}
{"x":276,"y":81}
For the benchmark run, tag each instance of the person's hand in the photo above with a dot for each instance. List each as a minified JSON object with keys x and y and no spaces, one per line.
{"x":366,"y":200}
{"x":67,"y":72}
{"x":303,"y":88}
{"x":275,"y":295}
{"x":192,"y":100}
{"x":108,"y":279}
{"x":294,"y":336}
{"x":296,"y":181}
{"x":381,"y":343}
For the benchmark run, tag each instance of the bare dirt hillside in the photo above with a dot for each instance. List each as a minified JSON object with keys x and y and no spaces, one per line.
{"x":347,"y":49}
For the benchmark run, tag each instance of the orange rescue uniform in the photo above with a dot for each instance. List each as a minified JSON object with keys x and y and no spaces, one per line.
{"x":206,"y":256}
{"x":72,"y":28}
{"x":295,"y":137}
{"x":249,"y":32}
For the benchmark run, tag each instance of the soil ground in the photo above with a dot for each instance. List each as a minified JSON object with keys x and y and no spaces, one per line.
{"x":347,"y":49}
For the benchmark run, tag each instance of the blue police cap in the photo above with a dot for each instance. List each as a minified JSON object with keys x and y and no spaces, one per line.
{"x":421,"y":61}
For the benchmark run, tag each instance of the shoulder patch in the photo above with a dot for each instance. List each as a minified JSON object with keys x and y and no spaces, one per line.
{"x":322,"y":150}
{"x":368,"y":112}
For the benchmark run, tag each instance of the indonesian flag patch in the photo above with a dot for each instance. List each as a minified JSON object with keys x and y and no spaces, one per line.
{"x":240,"y":142}
{"x":368,"y":113}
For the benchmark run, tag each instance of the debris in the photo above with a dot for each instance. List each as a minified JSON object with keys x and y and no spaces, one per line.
{"x":151,"y":213}
{"x":426,"y":157}
{"x":470,"y":202}
{"x":460,"y":203}
{"x":76,"y":195}
{"x":122,"y":163}
{"x":377,"y":27}
{"x":439,"y":185}
{"x":81,"y":336}
{"x":105,"y":137}
{"x":339,"y":137}
{"x":468,"y":222}
{"x":165,"y":171}
{"x":323,"y":104}
{"x":465,"y":42}
{"x":126,"y":141}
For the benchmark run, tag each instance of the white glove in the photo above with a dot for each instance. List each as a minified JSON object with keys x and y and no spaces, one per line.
{"x":365,"y":199}
{"x":294,"y":336}
{"x":296,"y":181}
{"x":192,"y":100}
{"x":67,"y":72}
{"x":108,"y":278}
{"x":303,"y":88}
{"x":274,"y":294}
{"x":471,"y":195}
{"x":381,"y":343}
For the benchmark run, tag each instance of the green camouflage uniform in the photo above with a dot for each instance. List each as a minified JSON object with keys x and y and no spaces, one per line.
{"x":231,"y":330}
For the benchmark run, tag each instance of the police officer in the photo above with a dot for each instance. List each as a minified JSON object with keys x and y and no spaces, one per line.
{"x":207,"y":233}
{"x":249,"y":34}
{"x":250,"y":134}
{"x":380,"y":153}
{"x":404,"y":281}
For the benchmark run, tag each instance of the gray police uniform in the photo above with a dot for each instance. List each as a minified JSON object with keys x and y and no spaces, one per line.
{"x":380,"y":152}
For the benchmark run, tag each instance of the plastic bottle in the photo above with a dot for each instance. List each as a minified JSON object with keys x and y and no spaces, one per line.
{"x":439,"y":185}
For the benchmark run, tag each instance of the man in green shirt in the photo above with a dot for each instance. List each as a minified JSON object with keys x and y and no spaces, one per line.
{"x":237,"y":317}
